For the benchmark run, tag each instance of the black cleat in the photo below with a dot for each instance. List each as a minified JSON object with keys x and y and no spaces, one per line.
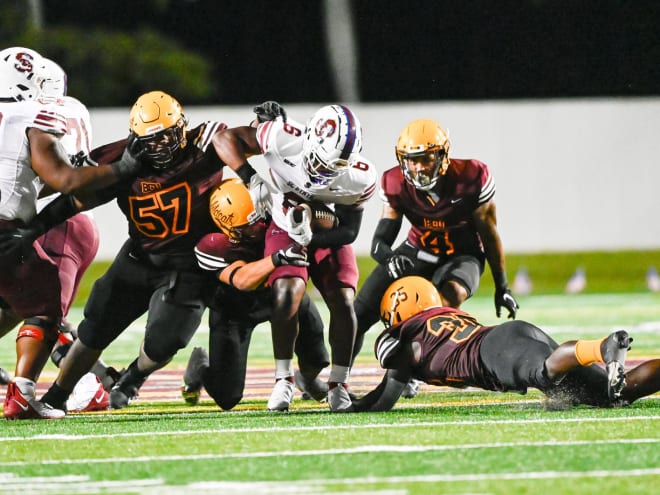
{"x":193,"y":376}
{"x":311,"y":388}
{"x":614,"y":349}
{"x":126,"y":388}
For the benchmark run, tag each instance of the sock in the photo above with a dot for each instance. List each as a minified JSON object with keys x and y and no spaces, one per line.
{"x":588,"y":351}
{"x":26,"y":386}
{"x":56,"y":397}
{"x":339,"y":374}
{"x":283,"y":368}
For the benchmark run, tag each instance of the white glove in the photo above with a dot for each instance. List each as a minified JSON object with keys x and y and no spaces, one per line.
{"x":260,"y":194}
{"x":300,"y":232}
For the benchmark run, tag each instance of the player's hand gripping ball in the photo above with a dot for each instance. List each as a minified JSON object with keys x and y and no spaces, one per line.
{"x":321,"y":217}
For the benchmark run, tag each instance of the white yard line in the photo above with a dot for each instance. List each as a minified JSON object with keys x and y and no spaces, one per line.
{"x":64,"y":437}
{"x":368,"y":449}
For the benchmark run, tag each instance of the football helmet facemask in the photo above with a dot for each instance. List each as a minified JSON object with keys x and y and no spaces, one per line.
{"x":53,"y":89}
{"x":331,"y":136}
{"x":22,"y":73}
{"x":158,"y":124}
{"x":422,"y":151}
{"x":232,"y":210}
{"x":407,"y":297}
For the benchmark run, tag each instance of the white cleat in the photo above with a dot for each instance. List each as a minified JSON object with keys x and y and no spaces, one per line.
{"x":282,"y":395}
{"x":338,"y":398}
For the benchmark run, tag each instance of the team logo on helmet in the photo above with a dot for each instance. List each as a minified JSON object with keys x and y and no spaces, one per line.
{"x":325,"y":128}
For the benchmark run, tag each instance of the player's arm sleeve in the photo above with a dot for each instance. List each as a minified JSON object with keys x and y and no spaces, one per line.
{"x":384,"y":236}
{"x":385,"y":395}
{"x":350,"y":219}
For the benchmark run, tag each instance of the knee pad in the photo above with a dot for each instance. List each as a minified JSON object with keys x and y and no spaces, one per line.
{"x":43,"y":329}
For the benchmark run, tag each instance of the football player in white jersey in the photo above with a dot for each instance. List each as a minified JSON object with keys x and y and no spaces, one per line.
{"x":32,"y":157}
{"x":319,"y":162}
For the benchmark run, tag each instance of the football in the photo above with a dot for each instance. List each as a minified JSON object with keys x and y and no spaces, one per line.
{"x":321,"y":217}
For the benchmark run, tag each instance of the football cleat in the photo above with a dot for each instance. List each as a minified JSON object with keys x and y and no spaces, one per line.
{"x":338,"y":398}
{"x":614,"y":349}
{"x":311,"y":388}
{"x":282,"y":395}
{"x":18,"y":406}
{"x":88,"y":395}
{"x":126,"y":389}
{"x":4,"y":377}
{"x":411,"y":389}
{"x":193,"y":378}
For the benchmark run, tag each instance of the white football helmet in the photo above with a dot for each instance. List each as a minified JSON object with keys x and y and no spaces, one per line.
{"x":53,"y":89}
{"x":331,"y":136}
{"x":22,"y":73}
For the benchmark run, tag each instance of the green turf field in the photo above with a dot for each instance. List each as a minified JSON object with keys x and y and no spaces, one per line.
{"x":457,"y":442}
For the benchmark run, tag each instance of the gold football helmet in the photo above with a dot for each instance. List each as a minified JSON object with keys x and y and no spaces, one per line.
{"x":407,"y":297}
{"x":422,"y":151}
{"x":158,"y":123}
{"x":232,"y":210}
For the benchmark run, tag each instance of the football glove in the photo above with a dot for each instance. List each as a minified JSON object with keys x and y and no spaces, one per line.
{"x":398,"y":266}
{"x":295,"y":255}
{"x":129,"y":164}
{"x":504,"y":298}
{"x":300,"y":232}
{"x":269,"y":110}
{"x":19,"y":241}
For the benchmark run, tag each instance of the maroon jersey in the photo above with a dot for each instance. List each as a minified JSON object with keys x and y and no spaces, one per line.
{"x":216,"y":252}
{"x":168,"y":210}
{"x":450,"y":342}
{"x":441,"y":219}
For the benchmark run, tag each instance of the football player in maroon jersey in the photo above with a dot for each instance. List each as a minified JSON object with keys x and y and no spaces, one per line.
{"x":235,"y":257}
{"x":445,"y":346}
{"x":449,"y":204}
{"x":155,"y":271}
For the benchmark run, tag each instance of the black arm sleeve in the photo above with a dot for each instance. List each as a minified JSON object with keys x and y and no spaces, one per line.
{"x":384,"y":236}
{"x":245,"y":172}
{"x":385,"y":395}
{"x":56,"y":212}
{"x":346,"y":232}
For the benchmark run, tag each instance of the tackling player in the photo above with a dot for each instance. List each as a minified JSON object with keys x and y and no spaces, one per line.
{"x":242,"y":300}
{"x":317,"y":162}
{"x":155,"y":271}
{"x":449,"y":204}
{"x":445,"y":346}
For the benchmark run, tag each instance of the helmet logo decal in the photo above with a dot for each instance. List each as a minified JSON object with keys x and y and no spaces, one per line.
{"x":325,"y":128}
{"x":23,"y":62}
{"x":223,"y":218}
{"x":155,"y":128}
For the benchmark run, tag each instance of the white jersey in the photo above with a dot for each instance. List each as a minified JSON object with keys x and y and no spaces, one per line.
{"x":281,"y":144}
{"x":19,"y":185}
{"x":78,"y":135}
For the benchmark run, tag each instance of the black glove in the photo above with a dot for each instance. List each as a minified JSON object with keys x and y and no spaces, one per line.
{"x":269,"y":110}
{"x":130,"y":162}
{"x":19,"y":241}
{"x":504,"y":298}
{"x":399,"y":265}
{"x":293,"y":255}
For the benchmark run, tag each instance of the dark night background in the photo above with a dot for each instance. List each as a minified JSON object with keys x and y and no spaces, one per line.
{"x":407,"y":50}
